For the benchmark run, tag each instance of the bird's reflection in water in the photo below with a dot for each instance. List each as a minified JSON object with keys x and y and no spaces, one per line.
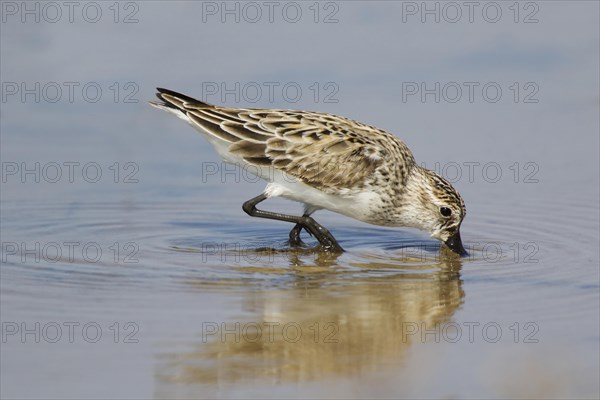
{"x":321,"y":327}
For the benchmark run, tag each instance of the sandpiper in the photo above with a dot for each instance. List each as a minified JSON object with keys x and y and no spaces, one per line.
{"x":326,"y":162}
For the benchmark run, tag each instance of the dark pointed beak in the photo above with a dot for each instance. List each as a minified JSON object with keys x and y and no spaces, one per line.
{"x":455,"y":244}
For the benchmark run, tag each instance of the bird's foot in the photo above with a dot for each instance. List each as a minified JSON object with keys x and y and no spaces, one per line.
{"x":295,"y":240}
{"x":326,"y":240}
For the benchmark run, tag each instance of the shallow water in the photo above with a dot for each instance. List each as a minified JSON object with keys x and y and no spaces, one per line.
{"x":152,"y":282}
{"x":210,"y":302}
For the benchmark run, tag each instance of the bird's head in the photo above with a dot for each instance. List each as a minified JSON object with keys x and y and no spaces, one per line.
{"x":437,"y":208}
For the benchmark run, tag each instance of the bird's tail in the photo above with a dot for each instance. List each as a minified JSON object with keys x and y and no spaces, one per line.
{"x":176,"y":103}
{"x":200,"y":115}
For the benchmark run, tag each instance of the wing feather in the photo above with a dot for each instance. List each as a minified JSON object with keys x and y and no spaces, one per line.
{"x":326,"y":154}
{"x":211,"y":127}
{"x":244,"y":133}
{"x":325,"y":151}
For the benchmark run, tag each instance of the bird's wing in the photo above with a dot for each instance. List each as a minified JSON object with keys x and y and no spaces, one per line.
{"x":322,"y":150}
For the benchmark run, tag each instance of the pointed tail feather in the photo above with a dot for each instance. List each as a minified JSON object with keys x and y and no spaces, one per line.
{"x":174,"y":100}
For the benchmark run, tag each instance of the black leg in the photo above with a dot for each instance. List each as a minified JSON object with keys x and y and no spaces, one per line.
{"x":325,"y":238}
{"x":295,"y":240}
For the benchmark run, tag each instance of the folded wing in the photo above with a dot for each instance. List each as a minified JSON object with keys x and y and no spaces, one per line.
{"x":322,"y":150}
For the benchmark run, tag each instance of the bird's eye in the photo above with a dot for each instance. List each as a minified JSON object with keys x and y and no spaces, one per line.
{"x":445,"y":211}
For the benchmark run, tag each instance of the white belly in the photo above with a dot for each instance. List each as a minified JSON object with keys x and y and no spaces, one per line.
{"x":354,"y":204}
